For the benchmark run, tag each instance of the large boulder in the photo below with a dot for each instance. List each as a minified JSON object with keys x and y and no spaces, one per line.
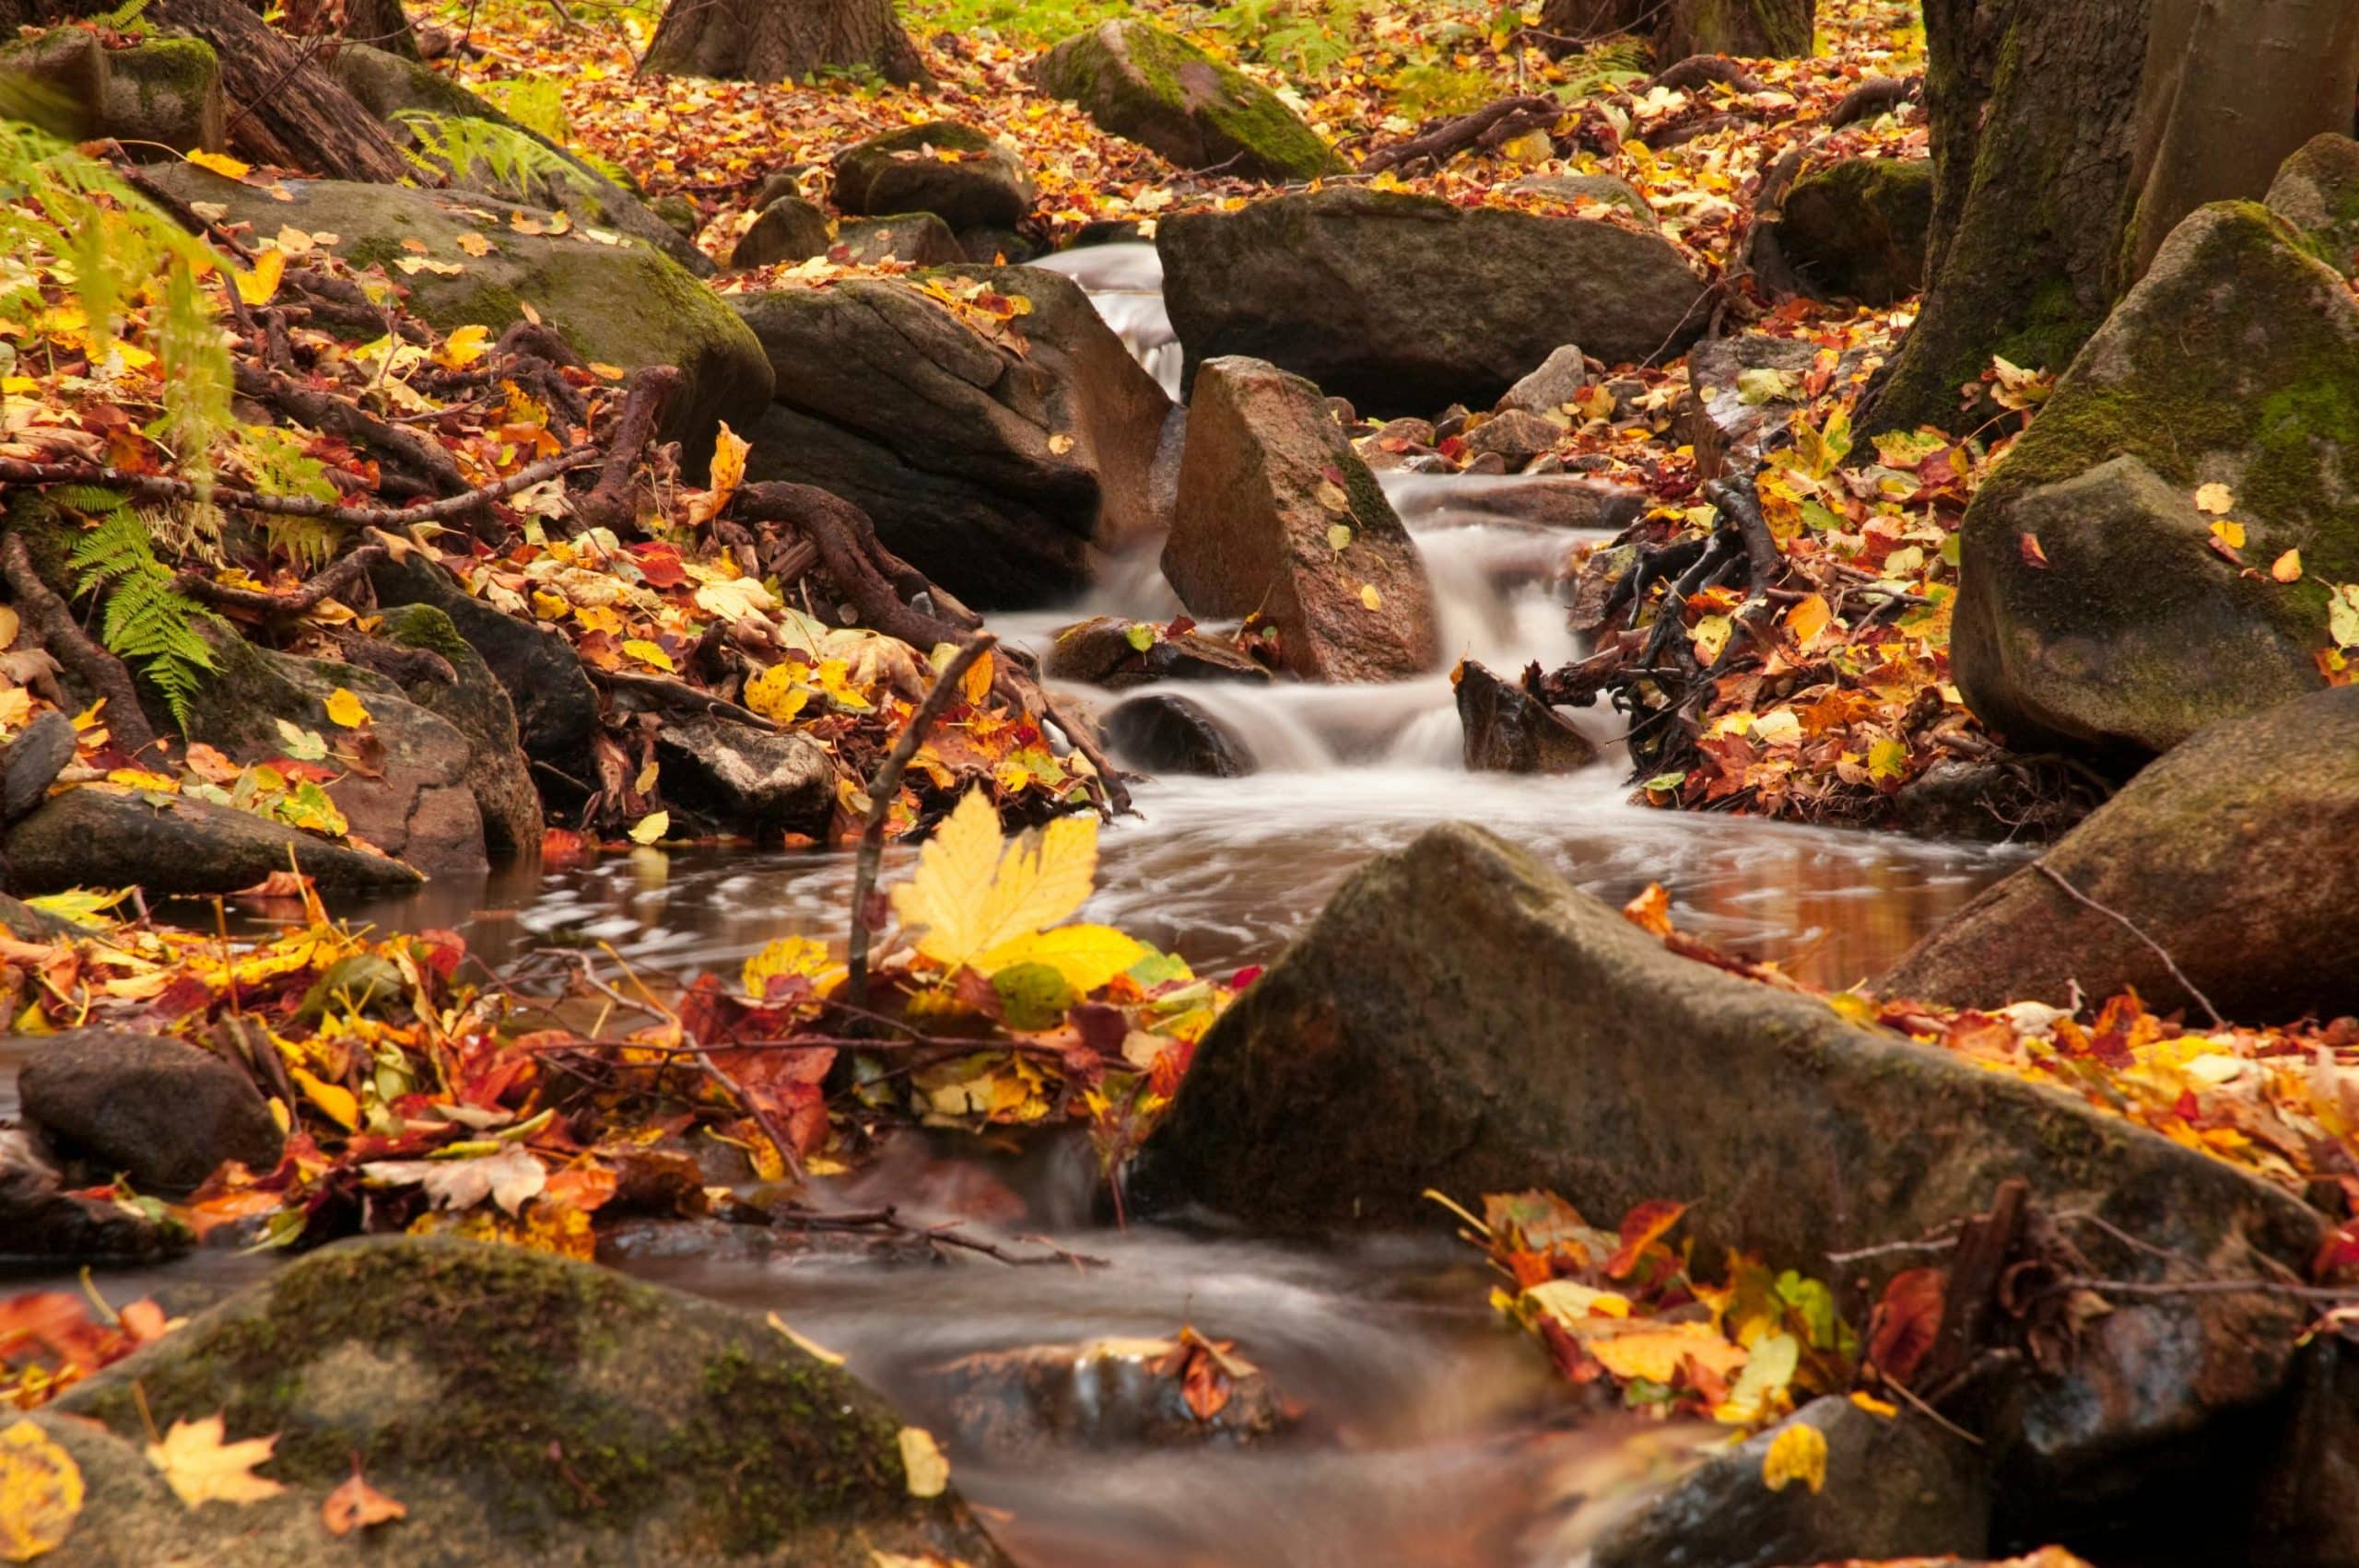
{"x":161,"y":1111}
{"x":956,"y":173}
{"x":166,"y":845}
{"x":2316,"y":190}
{"x":508,"y":159}
{"x":1278,"y":515}
{"x":410,"y":797}
{"x":2092,"y":613}
{"x":1461,"y":1018}
{"x":1155,"y":87}
{"x":742,"y":779}
{"x":1001,"y":475}
{"x":789,"y":230}
{"x":478,"y":705}
{"x":1857,"y":229}
{"x":625,"y":304}
{"x":2232,"y":854}
{"x":1405,"y":303}
{"x":519,"y":1407}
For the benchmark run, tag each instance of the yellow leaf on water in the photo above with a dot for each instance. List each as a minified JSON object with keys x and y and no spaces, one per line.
{"x":201,"y":1466}
{"x":40,"y":1492}
{"x":1797,"y":1453}
{"x":651,"y":827}
{"x":1088,"y":956}
{"x":929,"y":1470}
{"x":256,"y":287}
{"x":2217,"y":500}
{"x":221,"y":163}
{"x":646,"y":652}
{"x":346,"y":711}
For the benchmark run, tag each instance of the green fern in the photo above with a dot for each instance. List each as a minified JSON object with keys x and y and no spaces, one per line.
{"x":535,"y":102}
{"x":498,"y":161}
{"x":146,"y":620}
{"x":122,"y":19}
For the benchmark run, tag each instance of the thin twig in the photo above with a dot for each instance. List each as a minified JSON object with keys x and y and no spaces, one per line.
{"x":161,"y":488}
{"x":2052,"y":874}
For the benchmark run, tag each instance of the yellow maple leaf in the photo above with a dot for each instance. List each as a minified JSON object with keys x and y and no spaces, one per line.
{"x":346,"y":711}
{"x":791,"y":955}
{"x":973,"y":893}
{"x":1797,"y":1453}
{"x":40,"y":1492}
{"x":221,"y":163}
{"x":464,"y":347}
{"x":778,"y":693}
{"x":201,"y":1466}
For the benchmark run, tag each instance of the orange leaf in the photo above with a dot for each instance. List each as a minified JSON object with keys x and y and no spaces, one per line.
{"x":1905,"y":1323}
{"x":1651,"y":910}
{"x":2032,"y":555}
{"x":1641,"y":1228}
{"x":356,"y":1505}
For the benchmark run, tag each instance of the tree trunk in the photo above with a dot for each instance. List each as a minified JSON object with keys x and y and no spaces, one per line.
{"x":772,"y":41}
{"x":381,"y":24}
{"x":1779,"y":30}
{"x":1589,"y":21}
{"x":2206,"y":135}
{"x":2070,"y":139}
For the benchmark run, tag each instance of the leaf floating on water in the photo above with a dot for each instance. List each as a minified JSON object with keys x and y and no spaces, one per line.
{"x":201,"y":1466}
{"x":40,"y":1492}
{"x":651,"y":827}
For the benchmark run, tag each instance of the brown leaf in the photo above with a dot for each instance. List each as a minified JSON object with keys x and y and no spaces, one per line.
{"x":356,"y":1505}
{"x":1905,"y":1323}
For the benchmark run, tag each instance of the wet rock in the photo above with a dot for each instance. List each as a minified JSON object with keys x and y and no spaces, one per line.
{"x":917,"y":238}
{"x":176,"y":844}
{"x":1000,"y":475}
{"x":1267,"y":477}
{"x":1990,"y":800}
{"x":1108,"y":1394}
{"x":998,"y":247}
{"x":629,"y":305}
{"x":31,"y":761}
{"x":1104,"y":652}
{"x":1460,"y":1018}
{"x":160,"y":1111}
{"x":1342,"y":285}
{"x":410,"y":95}
{"x":1895,"y":1488}
{"x":478,"y":705}
{"x":159,"y":98}
{"x":39,"y":1219}
{"x":2316,"y":190}
{"x":1515,"y":436}
{"x":521,"y":1407}
{"x":1553,"y":501}
{"x":789,"y":230}
{"x":1157,"y":90}
{"x":1560,"y":379}
{"x":743,"y":779}
{"x":557,"y":707}
{"x":1576,"y":188}
{"x":1600,"y":573}
{"x":1857,"y":230}
{"x":1509,"y":731}
{"x":1745,"y":390}
{"x":2234,"y":361}
{"x":412,"y":798}
{"x":985,"y":187}
{"x":2307,"y":1515}
{"x":2231,"y":853}
{"x":1165,"y":733}
{"x":1106,"y":232}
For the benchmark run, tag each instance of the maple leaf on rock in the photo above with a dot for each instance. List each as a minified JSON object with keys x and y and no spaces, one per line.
{"x":202,"y":1466}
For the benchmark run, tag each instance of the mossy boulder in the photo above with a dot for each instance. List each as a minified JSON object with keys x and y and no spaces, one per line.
{"x":522,"y":165}
{"x":789,"y":230}
{"x":521,"y":1407}
{"x":1157,"y":90}
{"x":1460,"y":1018}
{"x":1856,"y":230}
{"x":478,"y":705}
{"x":159,"y":98}
{"x":622,"y":303}
{"x":2232,"y":853}
{"x":1572,"y":189}
{"x":2316,"y":190}
{"x":2235,"y":361}
{"x":1405,"y":304}
{"x":956,"y":173}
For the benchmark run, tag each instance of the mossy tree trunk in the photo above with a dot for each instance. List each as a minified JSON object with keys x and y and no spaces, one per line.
{"x":2070,"y":139}
{"x":1776,"y":29}
{"x":772,"y":41}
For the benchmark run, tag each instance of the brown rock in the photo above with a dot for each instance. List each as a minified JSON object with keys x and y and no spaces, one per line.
{"x":1104,"y":652}
{"x":161,"y":1111}
{"x":1516,"y":436}
{"x":1266,"y":477}
{"x":1509,"y":731}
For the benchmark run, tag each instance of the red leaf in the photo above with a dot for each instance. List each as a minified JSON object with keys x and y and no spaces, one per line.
{"x":2032,"y":555}
{"x":1641,"y":1228}
{"x":1905,"y":1323}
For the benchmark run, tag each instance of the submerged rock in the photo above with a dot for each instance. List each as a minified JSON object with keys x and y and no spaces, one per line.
{"x":982,"y":184}
{"x":1114,"y":1393}
{"x":1157,"y":90}
{"x":521,"y":1407}
{"x":2232,"y":853}
{"x":789,"y":230}
{"x":1163,"y":732}
{"x":1461,"y":1018}
{"x":746,"y":779}
{"x":176,"y":844}
{"x":999,"y":475}
{"x":1106,"y":652}
{"x":1405,"y":303}
{"x":160,"y":1111}
{"x":1278,"y":516}
{"x":2316,"y":190}
{"x":478,"y":705}
{"x":1857,"y":230}
{"x":2235,"y":362}
{"x":1509,"y":731}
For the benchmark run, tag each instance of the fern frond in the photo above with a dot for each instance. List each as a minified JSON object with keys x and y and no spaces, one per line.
{"x":146,"y":621}
{"x":500,"y":160}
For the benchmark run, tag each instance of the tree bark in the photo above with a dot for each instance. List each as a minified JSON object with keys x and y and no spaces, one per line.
{"x":284,"y":106}
{"x":1780,"y":30}
{"x":1587,"y":21}
{"x":771,"y":41}
{"x":381,"y":24}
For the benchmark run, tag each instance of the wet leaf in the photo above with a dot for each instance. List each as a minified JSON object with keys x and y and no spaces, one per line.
{"x":651,"y":827}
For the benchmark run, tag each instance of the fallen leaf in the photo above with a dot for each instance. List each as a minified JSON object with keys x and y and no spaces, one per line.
{"x":220,"y":163}
{"x":257,"y":286}
{"x":973,"y":892}
{"x":2032,"y":555}
{"x":929,"y":1472}
{"x":651,"y":827}
{"x":356,"y":1505}
{"x":202,"y":1466}
{"x":1369,"y":598}
{"x":1651,"y":910}
{"x":1797,"y":1453}
{"x":646,"y":652}
{"x":345,"y":710}
{"x":40,"y":1492}
{"x":511,"y":1178}
{"x":2217,"y":500}
{"x":2287,"y":568}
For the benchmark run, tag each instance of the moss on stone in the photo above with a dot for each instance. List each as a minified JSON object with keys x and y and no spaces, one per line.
{"x":1157,"y":88}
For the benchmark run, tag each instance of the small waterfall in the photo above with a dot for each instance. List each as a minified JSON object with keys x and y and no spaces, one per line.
{"x":1125,"y":282}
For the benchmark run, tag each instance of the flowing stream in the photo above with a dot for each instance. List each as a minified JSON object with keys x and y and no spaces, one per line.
{"x":1430,"y":1434}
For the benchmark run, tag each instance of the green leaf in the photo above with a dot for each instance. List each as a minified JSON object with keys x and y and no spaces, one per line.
{"x":303,"y":746}
{"x":1139,"y":635}
{"x":1032,"y":996}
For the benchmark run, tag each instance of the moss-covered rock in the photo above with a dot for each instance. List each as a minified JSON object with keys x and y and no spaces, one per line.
{"x":1161,"y":91}
{"x":980,"y":184}
{"x":159,"y":98}
{"x":2316,"y":190}
{"x":2234,"y":361}
{"x":620,"y":303}
{"x":478,"y":705}
{"x":1405,"y":304}
{"x":789,"y":230}
{"x":1857,"y":230}
{"x":522,"y":1408}
{"x":1574,"y":188}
